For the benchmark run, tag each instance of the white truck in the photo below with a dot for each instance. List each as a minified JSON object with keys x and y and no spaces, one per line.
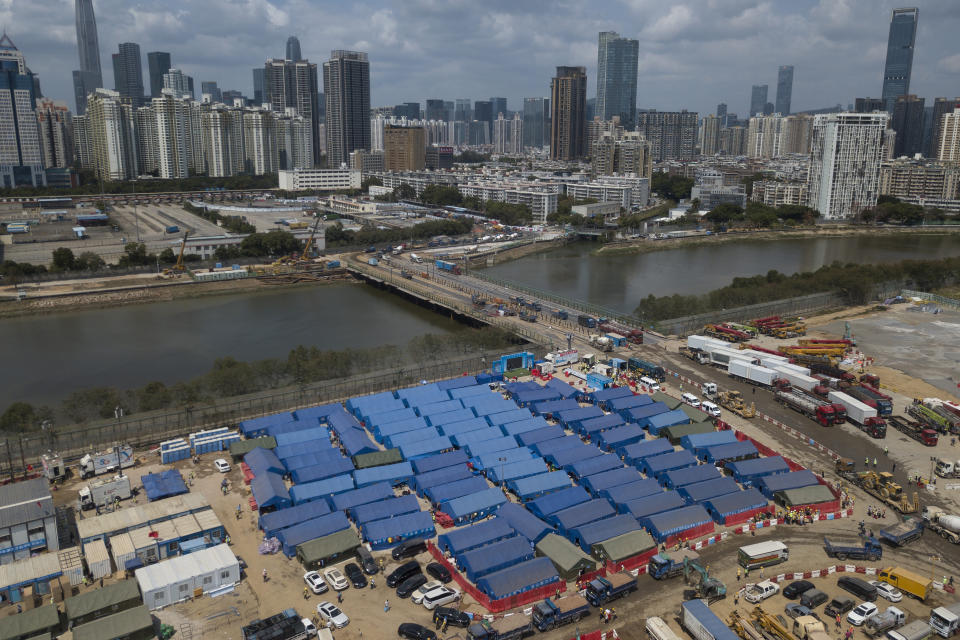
{"x":948,"y":468}
{"x":94,"y":464}
{"x":942,"y":523}
{"x":106,"y":491}
{"x":857,"y":411}
{"x":796,"y":378}
{"x":752,"y":373}
{"x":563,"y":358}
{"x":415,"y":258}
{"x":602,"y":343}
{"x":53,"y":467}
{"x":946,"y":620}
{"x":889,"y":619}
{"x":760,"y":591}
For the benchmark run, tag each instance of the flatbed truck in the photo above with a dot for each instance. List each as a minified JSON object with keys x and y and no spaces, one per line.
{"x":617,"y":585}
{"x":916,"y":430}
{"x":669,"y":564}
{"x":869,"y":550}
{"x":551,"y":614}
{"x":903,"y":532}
{"x":824,"y":413}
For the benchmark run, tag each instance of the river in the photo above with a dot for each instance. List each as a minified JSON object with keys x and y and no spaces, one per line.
{"x":620,"y":281}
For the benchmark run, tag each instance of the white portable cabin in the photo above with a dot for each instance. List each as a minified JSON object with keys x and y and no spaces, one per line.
{"x":98,"y":560}
{"x":71,"y":563}
{"x":122,"y":547}
{"x":213,"y":570}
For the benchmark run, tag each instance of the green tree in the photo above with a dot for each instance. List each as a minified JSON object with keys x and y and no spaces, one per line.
{"x":370,"y":181}
{"x":89,"y":261}
{"x":63,"y":259}
{"x":19,"y":417}
{"x":136,"y":255}
{"x":671,"y":186}
{"x":153,"y":395}
{"x":404,"y":192}
{"x":441,"y":195}
{"x":167,"y":256}
{"x":725,"y":213}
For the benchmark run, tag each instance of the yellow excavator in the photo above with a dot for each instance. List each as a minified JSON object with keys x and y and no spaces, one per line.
{"x":733,"y":401}
{"x":178,"y":268}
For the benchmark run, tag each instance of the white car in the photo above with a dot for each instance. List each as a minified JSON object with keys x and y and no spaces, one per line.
{"x":329,"y":611}
{"x":862,"y":613}
{"x":222,"y":465}
{"x":315,"y":582}
{"x":308,"y":627}
{"x":887,"y":591}
{"x":417,"y":596}
{"x":336,"y":579}
{"x":439,"y":597}
{"x":761,"y":591}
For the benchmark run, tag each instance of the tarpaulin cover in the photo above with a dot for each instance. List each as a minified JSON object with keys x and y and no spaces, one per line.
{"x":316,"y":528}
{"x":493,"y":400}
{"x":479,"y":447}
{"x":768,"y":485}
{"x":256,"y":427}
{"x":311,"y":458}
{"x":506,"y":417}
{"x":752,"y":469}
{"x":518,"y":578}
{"x":335,"y":467}
{"x":263,"y":461}
{"x":664,"y":420}
{"x":397,"y":415}
{"x":580,"y":514}
{"x":565,"y":390}
{"x":466,"y":392}
{"x":322,"y":489}
{"x":477,"y":435}
{"x":570,"y":455}
{"x":676,"y":433}
{"x":535,"y":486}
{"x":272,"y":522}
{"x":663,"y":525}
{"x":620,"y":437}
{"x":699,"y":440}
{"x":424,"y":394}
{"x":321,"y":434}
{"x":437,"y":408}
{"x":667,"y":462}
{"x":457,"y":383}
{"x":163,"y":484}
{"x":464,"y":426}
{"x":572,"y":416}
{"x":657,"y":503}
{"x":517,"y":387}
{"x":690,"y":475}
{"x":407,"y":437}
{"x":731,"y":451}
{"x":356,"y":441}
{"x":423,"y":481}
{"x":734,"y":503}
{"x":381,"y":406}
{"x":319,"y":412}
{"x":529,"y":438}
{"x":423,"y":448}
{"x":569,"y":560}
{"x":401,"y":426}
{"x":624,"y":493}
{"x":377,"y":458}
{"x":522,"y":426}
{"x":624,"y":546}
{"x":554,"y":406}
{"x":456,"y":489}
{"x":525,"y":398}
{"x":597,"y":482}
{"x":695,"y":414}
{"x":439,"y":461}
{"x":634,"y":454}
{"x":323,"y":449}
{"x":590,"y":466}
{"x":813,"y":494}
{"x":476,"y":535}
{"x":494,"y":557}
{"x":628,"y":402}
{"x":504,"y":472}
{"x":294,"y":426}
{"x":596,"y":425}
{"x":449,"y":417}
{"x":604,"y":395}
{"x":553,"y":502}
{"x":391,"y":531}
{"x":395,"y":474}
{"x":488,"y":460}
{"x":594,"y":532}
{"x":372,"y":493}
{"x":641,"y":413}
{"x":269,"y":491}
{"x":341,"y":421}
{"x":557,"y":444}
{"x":473,"y":505}
{"x":488,"y":407}
{"x":525,"y":523}
{"x":700,"y":491}
{"x":360,"y":401}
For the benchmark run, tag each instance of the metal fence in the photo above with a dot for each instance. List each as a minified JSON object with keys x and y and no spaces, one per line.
{"x":943,"y":301}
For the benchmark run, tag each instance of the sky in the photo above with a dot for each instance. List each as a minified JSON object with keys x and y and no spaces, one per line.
{"x":693,"y":53}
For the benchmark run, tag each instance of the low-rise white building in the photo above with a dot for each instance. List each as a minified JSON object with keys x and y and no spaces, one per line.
{"x":28,"y":522}
{"x":319,"y":179}
{"x":214,"y":570}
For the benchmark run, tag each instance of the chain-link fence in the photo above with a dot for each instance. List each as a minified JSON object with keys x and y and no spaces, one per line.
{"x":943,"y":301}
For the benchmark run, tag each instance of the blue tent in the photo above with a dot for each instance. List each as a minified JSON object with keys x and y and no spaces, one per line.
{"x":356,"y":442}
{"x":628,"y":402}
{"x":451,"y":490}
{"x":396,"y":415}
{"x":624,"y":493}
{"x":439,"y":461}
{"x":547,"y":447}
{"x":407,"y":437}
{"x":604,"y":395}
{"x":697,"y":441}
{"x":732,"y":451}
{"x":322,"y":450}
{"x":388,"y":532}
{"x":323,"y":471}
{"x":342,"y":420}
{"x":597,"y":482}
{"x":274,"y":521}
{"x":458,"y":541}
{"x":444,"y":406}
{"x":395,"y":474}
{"x":570,"y":455}
{"x":643,"y":413}
{"x":488,"y":460}
{"x":594,"y":532}
{"x":594,"y":426}
{"x":529,"y":438}
{"x":518,"y":578}
{"x":663,"y":420}
{"x":620,"y":437}
{"x":478,"y":435}
{"x":554,"y":406}
{"x":262,"y":460}
{"x":319,"y":412}
{"x":573,"y":417}
{"x":564,"y":389}
{"x":376,"y":408}
{"x":499,"y":555}
{"x":490,"y":407}
{"x":424,"y":448}
{"x":479,"y":447}
{"x":468,"y":392}
{"x":656,"y":465}
{"x":474,"y":506}
{"x":731,"y":504}
{"x":523,"y":426}
{"x":514,"y":470}
{"x":424,"y":394}
{"x":663,"y":525}
{"x":752,"y":470}
{"x":506,"y":417}
{"x":456,"y":383}
{"x":354,"y":404}
{"x":525,"y":523}
{"x":768,"y":485}
{"x":634,"y":454}
{"x":256,"y":427}
{"x":656,"y":503}
{"x":322,"y":489}
{"x":269,"y":491}
{"x":690,"y":475}
{"x":372,"y":493}
{"x":424,"y":481}
{"x":291,"y":427}
{"x":700,"y":491}
{"x":536,"y":486}
{"x":164,"y":484}
{"x":315,"y":433}
{"x":463,"y":426}
{"x":384,"y":509}
{"x":311,"y":458}
{"x":581,"y":514}
{"x":527,"y":398}
{"x":310,"y":530}
{"x":450,"y":417}
{"x":553,"y":502}
{"x":401,"y":426}
{"x":517,"y":387}
{"x":590,"y":466}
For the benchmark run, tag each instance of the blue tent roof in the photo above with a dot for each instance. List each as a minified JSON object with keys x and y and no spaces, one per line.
{"x":581,"y":514}
{"x":463,"y":426}
{"x":356,"y":441}
{"x":476,"y":448}
{"x":700,"y":491}
{"x":390,"y":531}
{"x":565,"y":390}
{"x":310,"y":458}
{"x":408,"y":437}
{"x":424,"y":448}
{"x":269,"y":491}
{"x":323,"y":449}
{"x":768,"y":485}
{"x":730,"y":451}
{"x":307,"y":434}
{"x":451,"y":490}
{"x":354,"y":404}
{"x":553,"y":502}
{"x":395,"y":415}
{"x":321,"y":489}
{"x":517,"y":387}
{"x":554,"y":406}
{"x":272,"y":522}
{"x":477,"y":435}
{"x":458,"y":541}
{"x":395,"y":474}
{"x":506,"y":417}
{"x":603,"y":395}
{"x":628,"y":402}
{"x":310,"y":530}
{"x":634,"y":454}
{"x":590,"y":466}
{"x":731,"y":504}
{"x":620,"y":437}
{"x":163,"y":484}
{"x":262,"y":460}
{"x":656,"y":503}
{"x":444,"y":406}
{"x":523,"y":426}
{"x":335,"y":467}
{"x":690,"y":475}
{"x":456,"y":383}
{"x":526,"y":398}
{"x":529,"y":438}
{"x":439,"y":461}
{"x":449,"y":417}
{"x":424,"y":481}
{"x":467,"y":392}
{"x":664,"y":420}
{"x":372,"y":493}
{"x":535,"y":486}
{"x":597,"y":482}
{"x":423,"y":394}
{"x":596,"y":425}
{"x":481,"y":502}
{"x":696,"y":441}
{"x":667,"y":462}
{"x":518,"y":578}
{"x":570,"y":455}
{"x":490,"y":406}
{"x":256,"y":427}
{"x":380,"y":406}
{"x":319,"y":412}
{"x":663,"y":525}
{"x":520,"y":469}
{"x":525,"y":523}
{"x":556,"y":444}
{"x":341,"y":421}
{"x":489,"y":460}
{"x":571,"y":417}
{"x":624,"y":493}
{"x":400,"y":426}
{"x":641,"y":413}
{"x":753,"y":469}
{"x":594,"y":532}
{"x":494,"y":557}
{"x":491,"y":399}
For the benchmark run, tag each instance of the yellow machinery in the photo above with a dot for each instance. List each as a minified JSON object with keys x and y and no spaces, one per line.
{"x":178,"y":268}
{"x":770,"y":624}
{"x":733,"y":401}
{"x":743,"y":627}
{"x":305,"y":256}
{"x":810,"y":351}
{"x":791,"y":330}
{"x":880,"y":485}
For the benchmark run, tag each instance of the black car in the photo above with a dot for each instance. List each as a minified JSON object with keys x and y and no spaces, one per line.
{"x":409,"y":548}
{"x":412,"y":631}
{"x":366,"y":561}
{"x":453,"y":617}
{"x":408,"y":586}
{"x":795,"y":589}
{"x":355,"y":576}
{"x":439,"y":572}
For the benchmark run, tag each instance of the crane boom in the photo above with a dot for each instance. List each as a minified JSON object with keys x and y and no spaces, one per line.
{"x":306,"y":249}
{"x":183,"y":245}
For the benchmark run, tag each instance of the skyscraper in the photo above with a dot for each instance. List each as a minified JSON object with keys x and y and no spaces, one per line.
{"x":948,"y":144}
{"x":672,"y":134}
{"x":293,"y":49}
{"x":89,"y":76}
{"x":158,"y":63}
{"x":408,"y":110}
{"x":258,"y":82}
{"x":128,"y":73}
{"x":210,"y":87}
{"x":784,"y":90}
{"x":289,"y":84}
{"x":56,"y":127}
{"x":113,"y":152}
{"x":462,"y":111}
{"x":483,"y":113}
{"x":900,"y":44}
{"x":617,"y":77}
{"x":941,"y":107}
{"x":758,"y":99}
{"x":866,"y":105}
{"x":21,"y":159}
{"x":907,"y":121}
{"x":536,"y":115}
{"x":497,"y":106}
{"x":404,"y":148}
{"x":568,"y":113}
{"x":434,"y":109}
{"x":710,"y":143}
{"x":176,"y":81}
{"x":346,"y":84}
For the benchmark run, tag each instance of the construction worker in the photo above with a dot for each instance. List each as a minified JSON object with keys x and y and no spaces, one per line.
{"x":866,"y":461}
{"x":874,"y":463}
{"x":306,"y":593}
{"x":886,"y":450}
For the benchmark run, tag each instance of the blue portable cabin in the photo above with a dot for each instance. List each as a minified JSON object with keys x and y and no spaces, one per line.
{"x":321,"y":449}
{"x":554,"y":406}
{"x":505,"y":472}
{"x":656,"y":465}
{"x":652,"y":504}
{"x":395,"y":440}
{"x":456,"y":383}
{"x":768,"y":485}
{"x":697,"y":441}
{"x":749,"y":471}
{"x":525,"y":523}
{"x":523,"y":426}
{"x":262,"y":461}
{"x":726,"y":453}
{"x":641,"y":414}
{"x":448,"y":417}
{"x":661,"y":421}
{"x":382,"y":534}
{"x":479,"y":447}
{"x":408,"y":424}
{"x":458,"y":541}
{"x":309,"y":459}
{"x":593,"y":427}
{"x":594,"y":532}
{"x":271,"y":523}
{"x":722,"y":507}
{"x":469,"y":392}
{"x":547,"y":447}
{"x":356,"y":442}
{"x":394,"y":474}
{"x":619,"y":437}
{"x":310,"y":530}
{"x":521,"y":577}
{"x":597,"y":482}
{"x":572,"y":418}
{"x":455,"y":489}
{"x":597,"y":381}
{"x":536,"y":486}
{"x":269,"y":492}
{"x":581,"y":514}
{"x":506,"y":417}
{"x":604,"y":395}
{"x":583,"y":468}
{"x":527,"y":398}
{"x":499,"y":555}
{"x":425,"y":448}
{"x":568,"y":456}
{"x":624,"y":493}
{"x":634,"y":454}
{"x":618,"y":405}
{"x":256,"y":427}
{"x":463,"y":426}
{"x":477,"y":435}
{"x":323,"y":471}
{"x":396,"y":415}
{"x":474,"y":506}
{"x":663,"y":525}
{"x":439,"y":461}
{"x":690,"y":475}
{"x":565,"y":390}
{"x":558,"y":500}
{"x":543,"y":434}
{"x":490,"y":460}
{"x":435,"y":408}
{"x":700,"y":491}
{"x":317,"y":433}
{"x":423,"y":481}
{"x":321,"y":489}
{"x":350,"y":499}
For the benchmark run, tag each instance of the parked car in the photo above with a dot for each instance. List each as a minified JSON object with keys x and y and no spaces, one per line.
{"x":795,"y":589}
{"x":839,"y":605}
{"x":412,"y":631}
{"x":336,"y":579}
{"x":409,"y":548}
{"x":453,"y":617}
{"x":355,"y":575}
{"x":308,"y":627}
{"x":406,"y":589}
{"x":860,"y":588}
{"x":887,"y":591}
{"x":440,"y":572}
{"x":440,"y":596}
{"x":222,"y":465}
{"x":795,"y":610}
{"x":329,"y":611}
{"x":401,"y":573}
{"x":761,"y":591}
{"x":862,"y":613}
{"x":315,"y":582}
{"x":369,"y":565}
{"x":423,"y":589}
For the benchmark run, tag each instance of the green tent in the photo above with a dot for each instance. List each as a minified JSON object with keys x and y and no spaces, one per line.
{"x":677,"y":431}
{"x":316,"y":552}
{"x":132,"y":624}
{"x":670,"y":401}
{"x":377,"y":458}
{"x":31,"y":623}
{"x":813,"y":494}
{"x":568,"y":559}
{"x":98,"y":603}
{"x":621,"y":547}
{"x":695,"y":415}
{"x":240,"y":448}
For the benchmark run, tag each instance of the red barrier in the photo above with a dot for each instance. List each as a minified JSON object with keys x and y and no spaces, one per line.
{"x":690,"y":534}
{"x":740,"y":518}
{"x":587,"y":577}
{"x":633,"y":562}
{"x":596,"y":635}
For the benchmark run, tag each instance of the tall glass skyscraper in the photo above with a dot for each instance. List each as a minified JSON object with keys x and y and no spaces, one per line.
{"x":617,"y":77}
{"x":89,"y":76}
{"x":536,"y":117}
{"x":346,"y":85}
{"x":293,"y":49}
{"x":758,"y":99}
{"x":158,"y":63}
{"x":900,"y":44}
{"x":784,"y":90}
{"x":128,"y":72}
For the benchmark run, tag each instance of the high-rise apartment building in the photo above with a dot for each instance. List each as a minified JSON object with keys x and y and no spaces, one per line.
{"x":508,"y":134}
{"x":536,"y":116}
{"x":408,"y":110}
{"x":258,"y":84}
{"x":845,"y":156}
{"x":260,"y":141}
{"x":733,"y":141}
{"x":89,"y":76}
{"x":868,"y":105}
{"x":174,"y":135}
{"x":293,"y":49}
{"x":597,"y":127}
{"x":795,"y":134}
{"x":210,"y":88}
{"x":128,"y":73}
{"x":941,"y":107}
{"x":289,"y":84}
{"x":217,"y":141}
{"x":899,"y":63}
{"x":434,"y":109}
{"x":948,"y":143}
{"x":617,"y":77}
{"x":758,"y":99}
{"x":56,"y":133}
{"x":568,"y":113}
{"x":145,"y":129}
{"x":174,"y":80}
{"x":920,"y":180}
{"x":21,"y":158}
{"x":483,"y":112}
{"x":158,"y":63}
{"x":82,"y":144}
{"x":710,"y":138}
{"x":907,"y":121}
{"x":764,"y":136}
{"x":784,"y":90}
{"x":462,"y":112}
{"x":404,"y":148}
{"x":498,"y":106}
{"x":294,"y":141}
{"x":112,"y":136}
{"x":346,"y":84}
{"x":672,"y":134}
{"x":627,"y":154}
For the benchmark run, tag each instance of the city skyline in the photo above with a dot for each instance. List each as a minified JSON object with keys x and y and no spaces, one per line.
{"x":838,"y":49}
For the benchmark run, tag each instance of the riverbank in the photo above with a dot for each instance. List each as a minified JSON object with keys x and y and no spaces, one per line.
{"x":649,"y":246}
{"x":515,"y":253}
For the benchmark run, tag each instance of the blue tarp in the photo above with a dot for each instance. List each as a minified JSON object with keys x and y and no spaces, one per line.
{"x":456,"y":489}
{"x":536,"y":486}
{"x":570,"y":455}
{"x":293,"y":426}
{"x":397,"y":415}
{"x":395,"y":474}
{"x":262,"y":460}
{"x":565,"y":390}
{"x":700,"y":491}
{"x":620,"y":437}
{"x":372,"y":493}
{"x":311,"y":458}
{"x":479,"y":447}
{"x":691,"y":475}
{"x":423,"y":448}
{"x":663,"y":525}
{"x":529,"y":438}
{"x":329,"y":469}
{"x":499,"y":555}
{"x":456,"y":383}
{"x":464,"y":426}
{"x":594,"y":532}
{"x":581,"y":514}
{"x":492,"y":401}
{"x":628,"y":402}
{"x":375,"y":408}
{"x":288,"y":451}
{"x":319,"y":412}
{"x":256,"y":427}
{"x":554,"y":406}
{"x":506,"y":417}
{"x":594,"y":426}
{"x":573,"y":417}
{"x":342,"y":419}
{"x":355,"y":404}
{"x":269,"y":491}
{"x":407,"y":437}
{"x":489,"y":407}
{"x":322,"y":489}
{"x":517,"y":387}
{"x":731,"y":451}
{"x":310,"y":530}
{"x":525,"y":523}
{"x":424,"y":481}
{"x":768,"y":485}
{"x":523,"y":426}
{"x":731,"y":504}
{"x":356,"y":441}
{"x":163,"y":484}
{"x":526,"y":398}
{"x":450,"y":417}
{"x":590,"y":466}
{"x":518,"y":578}
{"x":274,"y":521}
{"x":474,"y":506}
{"x":468,"y":392}
{"x":424,"y":394}
{"x":557,"y":444}
{"x":657,"y":423}
{"x":477,"y":435}
{"x":656,"y":503}
{"x":439,"y":461}
{"x":437,"y":408}
{"x":642,"y":413}
{"x":489,"y":460}
{"x":597,"y":482}
{"x":553,"y":502}
{"x":751,"y":470}
{"x":696,"y":441}
{"x":391,"y":531}
{"x":504,"y":472}
{"x":634,"y":454}
{"x":315,"y":433}
{"x":624,"y":493}
{"x":603,"y":395}
{"x":656,"y":465}
{"x":401,"y":426}
{"x":458,"y":541}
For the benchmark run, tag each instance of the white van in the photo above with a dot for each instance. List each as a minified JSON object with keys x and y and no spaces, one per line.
{"x":650,"y":383}
{"x":690,"y":399}
{"x":710,"y":408}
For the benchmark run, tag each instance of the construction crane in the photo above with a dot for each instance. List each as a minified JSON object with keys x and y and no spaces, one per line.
{"x":305,"y":256}
{"x":178,"y":268}
{"x":710,"y":589}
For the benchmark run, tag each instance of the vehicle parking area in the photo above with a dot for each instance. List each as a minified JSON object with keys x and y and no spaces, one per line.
{"x":155,"y":219}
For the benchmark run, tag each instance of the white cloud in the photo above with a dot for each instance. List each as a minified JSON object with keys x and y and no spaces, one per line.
{"x":950,"y":64}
